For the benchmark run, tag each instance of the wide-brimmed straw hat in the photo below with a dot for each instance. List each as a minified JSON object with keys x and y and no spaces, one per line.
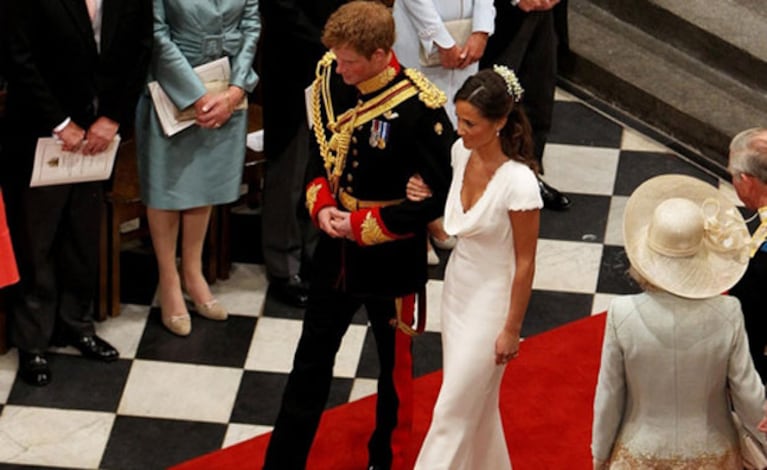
{"x":684,"y":237}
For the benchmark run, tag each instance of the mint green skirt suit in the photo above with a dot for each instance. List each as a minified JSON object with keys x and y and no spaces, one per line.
{"x":195,"y":167}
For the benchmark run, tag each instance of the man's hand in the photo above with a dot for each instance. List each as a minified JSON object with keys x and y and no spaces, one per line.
{"x":537,"y":5}
{"x":100,"y":135}
{"x":473,"y":49}
{"x":71,"y":137}
{"x":342,"y":224}
{"x":331,"y":221}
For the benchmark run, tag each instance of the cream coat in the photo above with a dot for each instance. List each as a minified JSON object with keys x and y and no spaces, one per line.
{"x":661,"y":400}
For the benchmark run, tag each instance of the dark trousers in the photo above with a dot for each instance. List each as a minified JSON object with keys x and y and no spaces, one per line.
{"x":55,"y":230}
{"x":288,"y":235}
{"x":527,"y":43}
{"x":327,"y":319}
{"x":750,"y":290}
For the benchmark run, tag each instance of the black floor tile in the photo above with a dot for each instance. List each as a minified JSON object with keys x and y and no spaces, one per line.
{"x":577,"y":124}
{"x":78,"y":384}
{"x":636,"y":167}
{"x":427,"y":353}
{"x":549,"y":309}
{"x":214,"y":343}
{"x":259,"y":397}
{"x":613,"y":272}
{"x":147,"y":444}
{"x":586,"y":220}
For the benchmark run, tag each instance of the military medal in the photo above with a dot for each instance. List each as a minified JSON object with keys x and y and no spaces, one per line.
{"x":379,"y":134}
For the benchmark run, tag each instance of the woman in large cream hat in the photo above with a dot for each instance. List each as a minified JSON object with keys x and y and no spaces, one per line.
{"x":676,"y":355}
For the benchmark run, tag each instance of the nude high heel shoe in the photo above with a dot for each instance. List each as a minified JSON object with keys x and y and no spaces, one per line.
{"x":180,"y":324}
{"x":212,"y":310}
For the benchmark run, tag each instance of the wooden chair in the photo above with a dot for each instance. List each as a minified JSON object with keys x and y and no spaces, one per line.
{"x":122,"y":205}
{"x":219,"y":233}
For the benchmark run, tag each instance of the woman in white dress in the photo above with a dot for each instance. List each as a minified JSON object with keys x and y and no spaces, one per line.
{"x":493,"y":208}
{"x":675,"y":357}
{"x":421,"y":25}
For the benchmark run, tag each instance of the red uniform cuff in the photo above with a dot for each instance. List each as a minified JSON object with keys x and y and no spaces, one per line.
{"x":318,"y":196}
{"x":369,"y":228}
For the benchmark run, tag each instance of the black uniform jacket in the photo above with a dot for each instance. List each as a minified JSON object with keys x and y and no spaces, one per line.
{"x":399,"y":129}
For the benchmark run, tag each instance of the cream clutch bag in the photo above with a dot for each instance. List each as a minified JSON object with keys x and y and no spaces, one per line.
{"x":460,"y":30}
{"x":214,"y":86}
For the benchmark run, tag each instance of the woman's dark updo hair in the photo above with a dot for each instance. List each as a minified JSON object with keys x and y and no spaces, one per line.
{"x":486,"y":90}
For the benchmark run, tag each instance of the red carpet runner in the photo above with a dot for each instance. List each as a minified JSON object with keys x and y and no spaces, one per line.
{"x":546,"y":403}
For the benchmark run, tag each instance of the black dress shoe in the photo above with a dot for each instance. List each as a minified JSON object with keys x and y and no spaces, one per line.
{"x":552,"y":198}
{"x":93,"y":347}
{"x":34,"y":369}
{"x":292,"y":290}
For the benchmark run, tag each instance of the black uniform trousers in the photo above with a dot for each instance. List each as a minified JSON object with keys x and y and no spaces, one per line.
{"x":55,"y":230}
{"x":527,"y":43}
{"x":750,"y":290}
{"x":327,"y":318}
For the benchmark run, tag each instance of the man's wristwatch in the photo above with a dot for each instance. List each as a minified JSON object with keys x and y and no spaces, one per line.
{"x":514,"y":3}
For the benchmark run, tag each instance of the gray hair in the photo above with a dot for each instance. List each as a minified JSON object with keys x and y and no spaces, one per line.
{"x":748,"y":153}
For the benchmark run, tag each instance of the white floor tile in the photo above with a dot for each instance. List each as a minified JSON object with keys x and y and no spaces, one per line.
{"x":633,"y":140}
{"x":602,"y":302}
{"x":124,"y":331}
{"x":53,"y":437}
{"x":245,"y":290}
{"x":579,"y":169}
{"x":180,"y":391}
{"x":274,"y":344}
{"x":567,"y":266}
{"x":348,"y":356}
{"x":9,"y":364}
{"x":614,"y":230}
{"x":236,"y":433}
{"x":562,"y":95}
{"x":363,"y":388}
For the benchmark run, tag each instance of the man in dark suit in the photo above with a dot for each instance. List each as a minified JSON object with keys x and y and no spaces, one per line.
{"x":290,"y":50}
{"x":74,"y":69}
{"x":525,"y":40}
{"x":748,"y":167}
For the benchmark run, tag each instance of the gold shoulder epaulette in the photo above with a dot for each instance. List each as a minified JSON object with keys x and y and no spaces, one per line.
{"x":431,"y":96}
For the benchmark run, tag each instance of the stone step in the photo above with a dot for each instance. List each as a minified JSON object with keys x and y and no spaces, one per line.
{"x":649,"y":77}
{"x":728,"y":35}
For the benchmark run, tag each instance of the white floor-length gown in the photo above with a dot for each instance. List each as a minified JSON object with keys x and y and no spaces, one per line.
{"x":466,"y":431}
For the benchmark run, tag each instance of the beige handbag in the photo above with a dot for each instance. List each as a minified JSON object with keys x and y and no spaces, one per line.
{"x":460,"y":30}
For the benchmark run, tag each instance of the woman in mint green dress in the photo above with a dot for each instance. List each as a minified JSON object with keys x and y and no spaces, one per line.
{"x":182,"y":176}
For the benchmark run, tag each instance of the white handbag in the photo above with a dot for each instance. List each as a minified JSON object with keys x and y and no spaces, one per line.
{"x":460,"y":30}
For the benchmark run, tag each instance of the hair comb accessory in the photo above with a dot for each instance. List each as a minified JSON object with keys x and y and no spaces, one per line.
{"x":513,"y":88}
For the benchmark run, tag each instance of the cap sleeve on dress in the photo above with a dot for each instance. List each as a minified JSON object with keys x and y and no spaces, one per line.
{"x":522,"y":192}
{"x":458,"y":154}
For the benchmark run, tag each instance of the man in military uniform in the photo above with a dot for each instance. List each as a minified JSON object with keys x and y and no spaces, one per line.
{"x":375,"y":124}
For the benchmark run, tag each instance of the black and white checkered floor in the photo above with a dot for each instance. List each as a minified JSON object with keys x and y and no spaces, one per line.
{"x":169,"y":399}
